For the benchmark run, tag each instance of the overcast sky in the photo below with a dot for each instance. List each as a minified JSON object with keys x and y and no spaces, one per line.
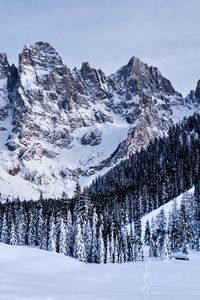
{"x":107,"y":33}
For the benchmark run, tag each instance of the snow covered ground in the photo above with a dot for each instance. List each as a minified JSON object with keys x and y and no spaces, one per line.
{"x":29,"y":273}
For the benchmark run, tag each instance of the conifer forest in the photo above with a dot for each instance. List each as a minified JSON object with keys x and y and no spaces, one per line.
{"x":102,"y":223}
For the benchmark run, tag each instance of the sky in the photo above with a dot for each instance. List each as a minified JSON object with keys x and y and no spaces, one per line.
{"x":107,"y":33}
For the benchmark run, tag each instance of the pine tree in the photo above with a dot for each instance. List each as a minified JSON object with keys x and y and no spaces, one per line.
{"x":52,"y":235}
{"x":69,"y":234}
{"x":197,"y":211}
{"x":140,"y":251}
{"x":62,"y":242}
{"x":147,"y":234}
{"x":130,"y":243}
{"x":12,"y":235}
{"x":79,"y":247}
{"x":39,"y":225}
{"x":112,"y":246}
{"x":100,"y":243}
{"x":5,"y":230}
{"x":167,"y":249}
{"x":174,"y":230}
{"x":94,"y":253}
{"x":160,"y":232}
{"x":20,"y":225}
{"x":44,"y":235}
{"x":31,"y":229}
{"x":87,"y":236}
{"x":153,"y":249}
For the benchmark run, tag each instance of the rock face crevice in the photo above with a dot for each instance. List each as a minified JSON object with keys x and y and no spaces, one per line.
{"x":59,"y":125}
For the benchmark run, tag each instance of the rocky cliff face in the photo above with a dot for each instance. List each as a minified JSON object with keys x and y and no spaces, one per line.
{"x":4,"y":87}
{"x":60,"y":125}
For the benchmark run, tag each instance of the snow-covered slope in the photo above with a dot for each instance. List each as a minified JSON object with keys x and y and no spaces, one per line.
{"x":28,"y":273}
{"x":58,"y":125}
{"x":168,"y":207}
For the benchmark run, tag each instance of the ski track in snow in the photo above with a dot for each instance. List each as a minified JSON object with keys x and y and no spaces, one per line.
{"x":147,"y":285}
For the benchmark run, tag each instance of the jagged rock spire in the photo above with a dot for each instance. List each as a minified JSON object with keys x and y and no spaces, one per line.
{"x":40,"y":54}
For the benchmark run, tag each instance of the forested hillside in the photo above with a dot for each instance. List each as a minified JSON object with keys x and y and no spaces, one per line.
{"x":151,"y":177}
{"x":103,"y":223}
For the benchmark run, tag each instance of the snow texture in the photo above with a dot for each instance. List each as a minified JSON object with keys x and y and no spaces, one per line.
{"x":29,"y":273}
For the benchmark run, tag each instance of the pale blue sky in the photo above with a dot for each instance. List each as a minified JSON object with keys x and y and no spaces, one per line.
{"x":107,"y":33}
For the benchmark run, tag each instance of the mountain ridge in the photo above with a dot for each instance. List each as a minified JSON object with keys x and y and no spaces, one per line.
{"x":61,"y":125}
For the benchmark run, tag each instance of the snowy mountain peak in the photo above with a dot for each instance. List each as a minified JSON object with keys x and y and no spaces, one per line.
{"x":85,"y":66}
{"x":40,"y":54}
{"x":140,"y":78}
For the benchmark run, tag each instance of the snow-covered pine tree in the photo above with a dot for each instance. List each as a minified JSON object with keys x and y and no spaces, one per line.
{"x":52,"y":234}
{"x":167,"y":249}
{"x":174,"y":230}
{"x":197,"y":210}
{"x":147,"y":234}
{"x":87,"y":235}
{"x":160,"y":232}
{"x":79,"y":247}
{"x":5,"y":230}
{"x":185,"y":218}
{"x":193,"y":228}
{"x":62,"y":239}
{"x":100,"y":247}
{"x":44,"y":235}
{"x":31,"y":229}
{"x":112,"y":246}
{"x":153,"y":251}
{"x":108,"y":258}
{"x":20,"y":225}
{"x":12,"y":234}
{"x":94,"y":253}
{"x":39,"y":225}
{"x":69,"y":234}
{"x":130,"y":243}
{"x":138,"y":251}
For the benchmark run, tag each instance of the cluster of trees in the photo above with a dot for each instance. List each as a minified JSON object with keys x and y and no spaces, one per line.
{"x":70,"y":226}
{"x":178,"y":231}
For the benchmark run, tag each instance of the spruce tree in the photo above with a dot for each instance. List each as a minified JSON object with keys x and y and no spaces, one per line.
{"x":5,"y":230}
{"x":147,"y":234}
{"x":79,"y":247}
{"x":62,"y":241}
{"x":12,"y":235}
{"x":52,"y":234}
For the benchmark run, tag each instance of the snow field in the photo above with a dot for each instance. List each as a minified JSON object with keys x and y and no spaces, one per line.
{"x":30,"y":273}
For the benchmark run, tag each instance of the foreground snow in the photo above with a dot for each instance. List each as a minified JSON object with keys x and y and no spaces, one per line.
{"x":28,"y":273}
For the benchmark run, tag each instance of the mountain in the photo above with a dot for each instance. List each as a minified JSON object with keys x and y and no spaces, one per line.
{"x":58,"y":125}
